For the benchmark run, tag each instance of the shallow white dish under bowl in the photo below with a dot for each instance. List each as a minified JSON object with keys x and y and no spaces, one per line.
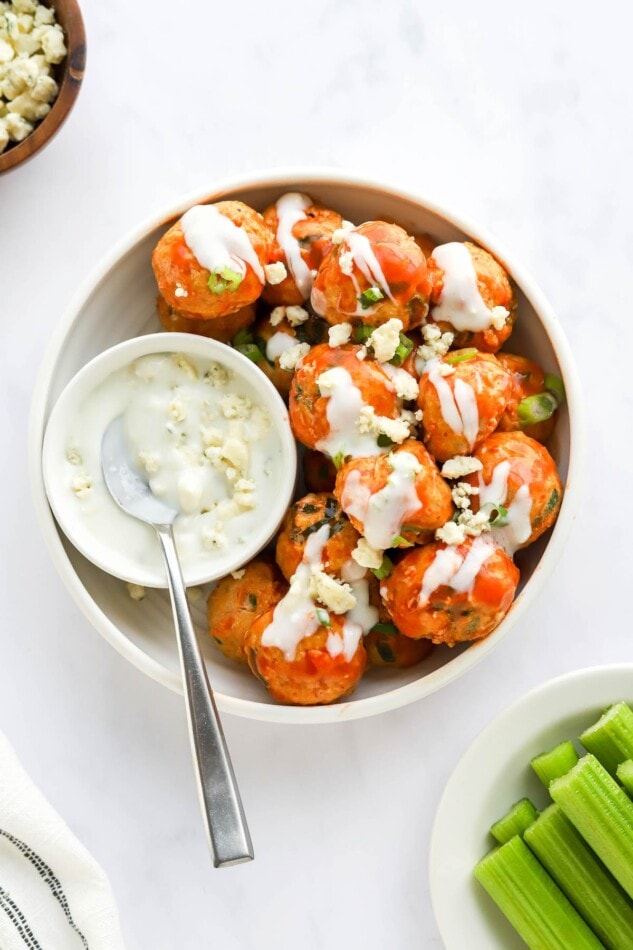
{"x":491,"y":776}
{"x":118,"y":302}
{"x":113,"y":552}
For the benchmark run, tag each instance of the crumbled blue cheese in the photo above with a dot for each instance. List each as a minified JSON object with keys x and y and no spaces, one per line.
{"x":277,"y":314}
{"x":346,"y":263}
{"x":385,"y":340}
{"x":436,"y":344}
{"x":397,"y":430}
{"x":149,"y":461}
{"x":296,"y":315}
{"x":290,"y":358}
{"x":367,"y":556}
{"x":451,"y":533}
{"x":498,"y":317}
{"x":180,"y":291}
{"x":339,"y":334}
{"x":332,"y":593}
{"x":82,"y":485}
{"x":462,"y":493}
{"x":461,"y":465}
{"x":234,"y":406}
{"x":275,"y":273}
{"x":238,"y":575}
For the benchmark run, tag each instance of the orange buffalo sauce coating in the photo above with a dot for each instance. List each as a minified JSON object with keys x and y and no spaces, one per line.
{"x":308,"y":408}
{"x":528,"y":379}
{"x":335,"y":294}
{"x":529,"y":464}
{"x":302,"y":520}
{"x":177,"y":269}
{"x":313,"y":676}
{"x":434,"y":494}
{"x":314,"y":234}
{"x":450,"y":616}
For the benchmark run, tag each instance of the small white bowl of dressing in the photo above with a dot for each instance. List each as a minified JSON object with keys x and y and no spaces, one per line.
{"x":207,"y":430}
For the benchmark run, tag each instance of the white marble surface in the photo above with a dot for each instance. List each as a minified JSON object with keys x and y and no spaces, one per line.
{"x":522,"y":121}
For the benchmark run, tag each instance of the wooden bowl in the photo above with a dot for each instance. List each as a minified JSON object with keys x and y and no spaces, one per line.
{"x":68,"y":74}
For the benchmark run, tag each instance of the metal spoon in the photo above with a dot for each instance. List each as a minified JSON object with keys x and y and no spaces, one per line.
{"x":227,"y":831}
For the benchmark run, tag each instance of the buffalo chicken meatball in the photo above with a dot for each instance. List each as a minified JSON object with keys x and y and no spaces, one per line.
{"x":303,"y":236}
{"x":236,"y":602}
{"x":472,"y":296}
{"x":282,"y":338}
{"x":318,"y":670}
{"x":211,"y":262}
{"x":528,"y":379}
{"x":384,"y":643}
{"x":462,"y":398}
{"x":340,"y":404}
{"x":222,"y":328}
{"x":394,"y":500}
{"x":319,"y":472}
{"x":374,"y":272}
{"x":451,"y":594}
{"x":519,"y":480}
{"x":306,"y":517}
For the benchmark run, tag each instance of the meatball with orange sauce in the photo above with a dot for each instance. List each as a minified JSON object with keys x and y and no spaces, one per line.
{"x":331,"y":392}
{"x":222,"y":328}
{"x":319,"y":670}
{"x":319,"y":472}
{"x":376,"y":272}
{"x":519,"y":480}
{"x":528,"y":379}
{"x":472,"y":296}
{"x":384,"y":643}
{"x":451,"y":594}
{"x":276,"y":335}
{"x":237,"y":600}
{"x":303,"y":520}
{"x":211,"y":262}
{"x":462,"y":397}
{"x":303,"y":232}
{"x":394,"y":500}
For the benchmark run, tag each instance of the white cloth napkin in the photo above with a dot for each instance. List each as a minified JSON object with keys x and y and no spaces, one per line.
{"x":53,"y":894}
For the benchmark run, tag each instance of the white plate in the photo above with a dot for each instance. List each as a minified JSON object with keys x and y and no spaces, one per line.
{"x":493,"y":774}
{"x":118,"y":302}
{"x":115,"y":558}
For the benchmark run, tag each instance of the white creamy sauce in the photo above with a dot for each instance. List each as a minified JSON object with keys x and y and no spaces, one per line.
{"x":364,"y":614}
{"x":279,"y":343}
{"x":458,"y":404}
{"x":519,"y":524}
{"x":295,"y":616}
{"x":460,"y":302}
{"x":384,"y":512}
{"x":344,"y":405}
{"x":217,"y":243}
{"x":194,"y":432}
{"x":291,"y":209}
{"x":450,"y":568}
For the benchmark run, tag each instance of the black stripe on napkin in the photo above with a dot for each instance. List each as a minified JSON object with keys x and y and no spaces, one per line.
{"x":49,"y":878}
{"x":19,"y":921}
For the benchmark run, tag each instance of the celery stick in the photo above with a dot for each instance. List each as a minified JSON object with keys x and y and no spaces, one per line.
{"x":582,"y":878}
{"x":535,"y":906}
{"x":625,"y":775}
{"x":520,"y":817}
{"x":553,"y":764}
{"x":602,"y":813}
{"x":611,"y":738}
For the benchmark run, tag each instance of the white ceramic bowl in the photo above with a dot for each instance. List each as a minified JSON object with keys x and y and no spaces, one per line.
{"x":493,"y":774}
{"x":112,"y":552}
{"x":118,"y":302}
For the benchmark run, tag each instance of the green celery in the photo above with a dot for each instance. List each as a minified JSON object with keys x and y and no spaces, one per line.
{"x":603,"y":814}
{"x":611,"y":738}
{"x":514,"y":822}
{"x":582,"y":878}
{"x":556,"y":762}
{"x":625,"y":776}
{"x":535,"y":906}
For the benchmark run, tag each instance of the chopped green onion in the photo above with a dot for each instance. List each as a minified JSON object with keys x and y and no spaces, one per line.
{"x":536,"y":408}
{"x":625,"y":775}
{"x":603,"y":814}
{"x":251,"y":351}
{"x":387,"y":629}
{"x":370,"y":296}
{"x":461,"y":356}
{"x":558,"y":761}
{"x":252,"y":599}
{"x":521,"y":816}
{"x":384,"y":570}
{"x":323,"y":617}
{"x":242,"y":337}
{"x":225,"y":279}
{"x":497,"y":514}
{"x":581,"y":877}
{"x":384,"y":442}
{"x":555,"y":386}
{"x":362,"y":333}
{"x":338,"y":459}
{"x":611,"y":738}
{"x":400,"y":542}
{"x":402,"y":350}
{"x":535,"y":906}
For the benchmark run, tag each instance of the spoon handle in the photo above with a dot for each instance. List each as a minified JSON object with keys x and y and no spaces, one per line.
{"x":227,"y":831}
